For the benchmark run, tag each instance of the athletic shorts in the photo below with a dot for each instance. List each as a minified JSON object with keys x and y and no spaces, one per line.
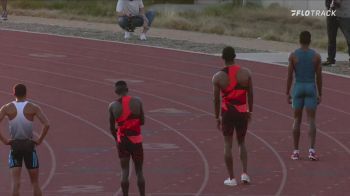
{"x":304,"y":95}
{"x":126,"y":149}
{"x":233,"y":120}
{"x":23,"y":151}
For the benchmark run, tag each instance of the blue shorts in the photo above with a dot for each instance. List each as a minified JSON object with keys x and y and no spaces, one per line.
{"x":304,"y":95}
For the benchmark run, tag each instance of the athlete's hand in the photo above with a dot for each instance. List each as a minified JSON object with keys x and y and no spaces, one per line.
{"x":37,"y":142}
{"x":319,"y":99}
{"x":249,"y":117}
{"x":8,"y":142}
{"x":218,"y":123}
{"x":289,"y":99}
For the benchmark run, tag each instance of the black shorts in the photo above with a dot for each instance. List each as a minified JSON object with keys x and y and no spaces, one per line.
{"x":23,"y":150}
{"x":126,"y":149}
{"x":233,"y":120}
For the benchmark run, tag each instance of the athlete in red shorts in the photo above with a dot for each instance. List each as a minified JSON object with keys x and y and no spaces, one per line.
{"x":234,"y":83}
{"x":126,"y":117}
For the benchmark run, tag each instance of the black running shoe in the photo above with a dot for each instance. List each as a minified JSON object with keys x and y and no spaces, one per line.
{"x":328,"y":63}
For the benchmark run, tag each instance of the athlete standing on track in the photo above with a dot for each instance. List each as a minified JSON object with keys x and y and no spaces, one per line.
{"x":235,"y":85}
{"x":21,"y":115}
{"x":126,"y":114}
{"x":305,"y":63}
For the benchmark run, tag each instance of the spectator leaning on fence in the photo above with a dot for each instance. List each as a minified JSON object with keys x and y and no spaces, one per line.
{"x":132,"y":14}
{"x":342,"y":21}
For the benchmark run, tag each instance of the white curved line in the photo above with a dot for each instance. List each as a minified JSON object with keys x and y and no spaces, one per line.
{"x":200,"y":152}
{"x":163,"y":98}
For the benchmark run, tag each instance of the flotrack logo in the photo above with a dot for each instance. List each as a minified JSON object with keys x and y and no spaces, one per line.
{"x":313,"y":12}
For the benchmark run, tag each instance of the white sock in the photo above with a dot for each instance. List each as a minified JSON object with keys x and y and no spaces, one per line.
{"x":311,"y":150}
{"x":295,"y":151}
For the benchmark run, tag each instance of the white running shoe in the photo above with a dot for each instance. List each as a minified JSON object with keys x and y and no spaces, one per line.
{"x":127,"y":35}
{"x":245,"y":178}
{"x":143,"y":36}
{"x":229,"y":182}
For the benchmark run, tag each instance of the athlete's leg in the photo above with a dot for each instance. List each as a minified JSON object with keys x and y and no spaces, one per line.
{"x":124,"y":162}
{"x":140,"y":178}
{"x":34,"y":179}
{"x":241,"y":126}
{"x":298,"y":113}
{"x":228,"y":155}
{"x":311,"y":114}
{"x":16,"y":180}
{"x":137,"y":157}
{"x":243,"y":155}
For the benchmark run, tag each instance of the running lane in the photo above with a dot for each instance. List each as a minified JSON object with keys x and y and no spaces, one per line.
{"x":73,"y":80}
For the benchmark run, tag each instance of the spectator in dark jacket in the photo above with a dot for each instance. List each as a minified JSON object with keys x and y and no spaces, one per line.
{"x":342,"y":21}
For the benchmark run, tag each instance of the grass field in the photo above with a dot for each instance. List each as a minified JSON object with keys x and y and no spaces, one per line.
{"x":272,"y":23}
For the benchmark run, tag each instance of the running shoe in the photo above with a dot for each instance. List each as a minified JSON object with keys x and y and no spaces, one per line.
{"x":245,"y":178}
{"x":143,"y":37}
{"x":328,"y":63}
{"x":312,"y":156}
{"x":127,"y":35}
{"x":230,"y":182}
{"x":295,"y":155}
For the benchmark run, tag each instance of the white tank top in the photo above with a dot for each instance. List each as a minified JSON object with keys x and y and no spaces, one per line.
{"x":20,"y":127}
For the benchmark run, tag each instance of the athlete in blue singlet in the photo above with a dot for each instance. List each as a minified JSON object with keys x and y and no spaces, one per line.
{"x":305,"y":65}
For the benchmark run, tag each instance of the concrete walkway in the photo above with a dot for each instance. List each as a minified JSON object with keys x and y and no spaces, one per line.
{"x":282,"y":57}
{"x":248,"y":43}
{"x":279,"y":50}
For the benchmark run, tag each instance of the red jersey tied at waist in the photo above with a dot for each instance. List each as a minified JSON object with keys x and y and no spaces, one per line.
{"x":234,"y":95}
{"x":128,"y":126}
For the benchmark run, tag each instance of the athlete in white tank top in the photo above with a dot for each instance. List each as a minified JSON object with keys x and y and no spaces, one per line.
{"x":22,"y":143}
{"x":20,"y":127}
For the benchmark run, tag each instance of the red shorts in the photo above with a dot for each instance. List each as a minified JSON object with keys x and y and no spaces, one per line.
{"x":233,"y":120}
{"x":126,"y":149}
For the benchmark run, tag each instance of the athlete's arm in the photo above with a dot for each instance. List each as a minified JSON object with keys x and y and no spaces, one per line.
{"x":217,"y":104}
{"x":216,"y":88}
{"x":44,"y":121}
{"x":112,"y":118}
{"x":319,"y":77}
{"x":290,"y":77}
{"x":2,"y":116}
{"x":142,"y":114}
{"x":250,"y":94}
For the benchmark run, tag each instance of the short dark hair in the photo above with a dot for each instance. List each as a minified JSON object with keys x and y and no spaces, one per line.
{"x":228,"y":54}
{"x":305,"y":37}
{"x":121,"y":87}
{"x":20,"y":90}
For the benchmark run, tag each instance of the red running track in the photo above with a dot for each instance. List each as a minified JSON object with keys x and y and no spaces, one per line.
{"x":72,"y":79}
